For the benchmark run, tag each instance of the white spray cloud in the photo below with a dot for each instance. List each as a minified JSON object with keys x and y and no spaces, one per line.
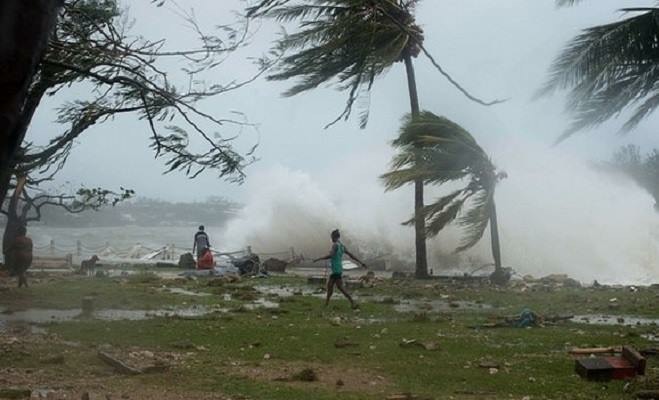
{"x":557,"y":215}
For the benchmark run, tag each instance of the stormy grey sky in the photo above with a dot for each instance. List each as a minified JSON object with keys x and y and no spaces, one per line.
{"x":496,"y":49}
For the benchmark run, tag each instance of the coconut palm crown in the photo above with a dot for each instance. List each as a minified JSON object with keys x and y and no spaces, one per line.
{"x":347,"y":42}
{"x":438,"y":151}
{"x":610,"y":68}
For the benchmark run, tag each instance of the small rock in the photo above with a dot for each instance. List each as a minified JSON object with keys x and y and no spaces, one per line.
{"x":267,"y":356}
{"x":306,"y":375}
{"x":489,"y":364}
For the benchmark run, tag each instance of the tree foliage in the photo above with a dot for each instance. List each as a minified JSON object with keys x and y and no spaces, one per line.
{"x":438,"y":151}
{"x":608,"y":69}
{"x":30,"y":203}
{"x":93,"y":48}
{"x":642,"y":168}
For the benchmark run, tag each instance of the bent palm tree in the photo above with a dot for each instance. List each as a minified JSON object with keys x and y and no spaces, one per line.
{"x":609,"y":68}
{"x":436,"y":151}
{"x":350,"y":43}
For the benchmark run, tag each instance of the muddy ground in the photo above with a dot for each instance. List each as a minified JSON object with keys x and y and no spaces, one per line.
{"x":144,"y":337}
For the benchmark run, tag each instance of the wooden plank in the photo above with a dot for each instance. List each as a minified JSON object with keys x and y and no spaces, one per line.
{"x":595,"y":350}
{"x":622,"y":369}
{"x":635,"y":358}
{"x":594,"y":369}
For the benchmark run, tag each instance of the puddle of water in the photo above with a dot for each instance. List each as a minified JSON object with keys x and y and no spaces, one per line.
{"x":286,"y":291}
{"x":652,"y":337}
{"x":614,"y":320}
{"x":21,"y":327}
{"x":43,"y":316}
{"x":407,"y":306}
{"x":261,"y":303}
{"x":185,"y":292}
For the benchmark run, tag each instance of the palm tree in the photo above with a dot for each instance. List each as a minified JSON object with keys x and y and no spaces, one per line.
{"x":435,"y":150}
{"x":350,"y":43}
{"x":609,"y":68}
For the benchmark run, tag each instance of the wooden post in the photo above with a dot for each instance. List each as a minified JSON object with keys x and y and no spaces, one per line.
{"x":292,"y":253}
{"x":78,"y":248}
{"x":52,"y":247}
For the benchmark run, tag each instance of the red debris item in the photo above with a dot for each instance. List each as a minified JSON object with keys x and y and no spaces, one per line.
{"x":206,"y":260}
{"x":626,"y":366}
{"x":622,"y":369}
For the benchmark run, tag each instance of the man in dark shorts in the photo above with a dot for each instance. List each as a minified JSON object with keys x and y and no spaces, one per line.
{"x":336,"y":277}
{"x":201,"y":243}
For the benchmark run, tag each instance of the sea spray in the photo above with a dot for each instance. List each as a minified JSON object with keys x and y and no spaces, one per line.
{"x":558,"y":214}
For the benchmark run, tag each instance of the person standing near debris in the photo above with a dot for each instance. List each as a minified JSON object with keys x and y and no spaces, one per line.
{"x":336,"y":261}
{"x":201,"y":243}
{"x":19,"y":255}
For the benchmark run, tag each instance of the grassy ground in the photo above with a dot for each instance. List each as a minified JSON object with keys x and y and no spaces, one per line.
{"x":255,"y":353}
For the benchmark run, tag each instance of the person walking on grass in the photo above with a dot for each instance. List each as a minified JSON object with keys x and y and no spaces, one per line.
{"x":336,"y":260}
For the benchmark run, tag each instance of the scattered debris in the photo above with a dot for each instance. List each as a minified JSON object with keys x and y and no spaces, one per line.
{"x":134,"y":362}
{"x":117,"y":364}
{"x":560,"y":280}
{"x":275,"y":265}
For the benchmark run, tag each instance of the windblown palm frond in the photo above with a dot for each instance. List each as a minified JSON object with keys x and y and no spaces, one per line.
{"x":436,"y":150}
{"x":567,"y":3}
{"x":609,"y":68}
{"x":344,"y":42}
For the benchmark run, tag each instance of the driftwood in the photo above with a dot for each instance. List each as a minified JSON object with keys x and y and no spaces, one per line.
{"x":595,"y":350}
{"x":118,"y":365}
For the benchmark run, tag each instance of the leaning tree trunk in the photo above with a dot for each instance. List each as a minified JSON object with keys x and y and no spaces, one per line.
{"x":500,"y":276}
{"x":24,"y":30}
{"x":419,"y":221}
{"x":494,"y":234}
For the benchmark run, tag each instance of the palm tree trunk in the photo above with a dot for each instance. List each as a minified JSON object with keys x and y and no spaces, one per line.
{"x":494,"y":233}
{"x":419,"y":225}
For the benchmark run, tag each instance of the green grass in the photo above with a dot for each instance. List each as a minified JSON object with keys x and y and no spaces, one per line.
{"x":534,"y":362}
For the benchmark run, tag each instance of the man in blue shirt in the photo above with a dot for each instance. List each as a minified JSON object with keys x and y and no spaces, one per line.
{"x":336,"y":277}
